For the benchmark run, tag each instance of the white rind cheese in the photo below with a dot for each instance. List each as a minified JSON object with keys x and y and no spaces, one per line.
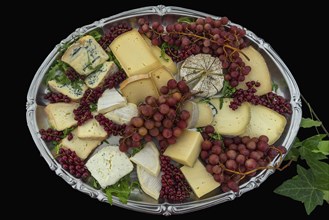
{"x":72,"y":93}
{"x":109,"y":165}
{"x":85,"y":55}
{"x":150,"y":184}
{"x":124,"y":114}
{"x":60,"y":115}
{"x":98,"y":77}
{"x":110,"y":100}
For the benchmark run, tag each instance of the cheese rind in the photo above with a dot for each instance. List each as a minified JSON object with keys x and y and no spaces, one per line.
{"x":85,"y":55}
{"x":109,"y":165}
{"x":110,"y":100}
{"x":230,"y":122}
{"x":193,"y":109}
{"x":150,"y":184}
{"x":199,"y":179}
{"x":98,"y":77}
{"x":124,"y":114}
{"x":205,"y":116}
{"x":265,"y":121}
{"x":166,"y":60}
{"x":160,"y":77}
{"x":91,"y":129}
{"x":136,"y":88}
{"x":72,"y":93}
{"x":187,"y":148}
{"x":60,"y":115}
{"x":82,"y":147}
{"x":134,"y":54}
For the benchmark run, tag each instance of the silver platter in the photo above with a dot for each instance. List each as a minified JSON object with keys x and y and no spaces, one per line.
{"x":138,"y":201}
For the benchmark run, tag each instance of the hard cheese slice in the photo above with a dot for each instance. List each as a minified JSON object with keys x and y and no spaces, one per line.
{"x":109,"y":165}
{"x":82,"y":147}
{"x":85,"y":55}
{"x":110,"y":100}
{"x":60,"y":115}
{"x":205,"y":115}
{"x":91,"y":129}
{"x":199,"y":179}
{"x":134,"y":54}
{"x":265,"y":121}
{"x":98,"y":77}
{"x":136,"y":88}
{"x":187,"y":148}
{"x":230,"y":122}
{"x":160,"y":77}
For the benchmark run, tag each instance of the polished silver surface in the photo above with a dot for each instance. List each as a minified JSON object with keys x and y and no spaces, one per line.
{"x":138,"y":201}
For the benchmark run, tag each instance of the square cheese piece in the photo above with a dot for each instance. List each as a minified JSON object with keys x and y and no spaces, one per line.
{"x":91,"y":129}
{"x":134,"y":54}
{"x":109,"y":165}
{"x":98,"y":77}
{"x":82,"y":147}
{"x":187,"y":148}
{"x":137,"y":88}
{"x":85,"y":55}
{"x":60,"y":115}
{"x":199,"y":179}
{"x":73,"y":93}
{"x":160,"y":77}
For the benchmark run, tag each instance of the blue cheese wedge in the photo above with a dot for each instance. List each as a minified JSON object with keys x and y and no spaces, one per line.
{"x":109,"y":165}
{"x":85,"y":55}
{"x":73,"y":93}
{"x":110,"y":100}
{"x":91,"y":129}
{"x":124,"y":114}
{"x":98,"y":77}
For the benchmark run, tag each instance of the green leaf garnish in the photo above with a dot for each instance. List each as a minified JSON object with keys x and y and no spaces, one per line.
{"x":114,"y":59}
{"x":57,"y":148}
{"x":95,"y":34}
{"x":121,"y":189}
{"x":187,"y":20}
{"x":216,"y":136}
{"x":301,"y":188}
{"x":321,"y":173}
{"x":93,"y":107}
{"x":163,"y":54}
{"x":67,"y":131}
{"x":323,"y":147}
{"x":275,"y":87}
{"x":308,"y":123}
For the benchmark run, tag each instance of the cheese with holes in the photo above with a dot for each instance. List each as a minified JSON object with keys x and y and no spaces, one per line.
{"x":82,"y":147}
{"x":110,"y":100}
{"x":265,"y":121}
{"x":91,"y":129}
{"x":73,"y":93}
{"x":186,"y":149}
{"x":160,"y":77}
{"x":230,"y":122}
{"x":166,"y":60}
{"x":124,"y":114}
{"x":199,"y":179}
{"x":136,"y":88}
{"x":205,"y":115}
{"x":134,"y":54}
{"x":98,"y":77}
{"x":85,"y":55}
{"x":109,"y":165}
{"x":60,"y":115}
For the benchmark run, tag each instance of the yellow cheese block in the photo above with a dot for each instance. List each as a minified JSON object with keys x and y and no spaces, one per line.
{"x":205,"y":115}
{"x":136,"y":88}
{"x":160,"y":77}
{"x":134,"y":54}
{"x":166,"y":61}
{"x":187,"y":148}
{"x":199,"y":179}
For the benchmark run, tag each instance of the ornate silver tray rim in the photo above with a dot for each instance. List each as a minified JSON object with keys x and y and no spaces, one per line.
{"x":164,"y":208}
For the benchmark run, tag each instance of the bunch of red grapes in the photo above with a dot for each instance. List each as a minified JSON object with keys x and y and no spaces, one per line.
{"x":160,"y":118}
{"x":109,"y":126}
{"x":207,"y":36}
{"x":234,"y":160}
{"x":57,"y":97}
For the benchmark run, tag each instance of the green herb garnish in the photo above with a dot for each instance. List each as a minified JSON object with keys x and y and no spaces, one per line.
{"x":275,"y":87}
{"x":227,"y":92}
{"x":95,"y":34}
{"x":93,"y":107}
{"x":114,"y":59}
{"x":187,"y":20}
{"x":121,"y":189}
{"x":163,"y":54}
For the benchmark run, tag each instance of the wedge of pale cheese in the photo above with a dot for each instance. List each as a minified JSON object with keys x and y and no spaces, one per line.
{"x":187,"y":148}
{"x":91,"y":129}
{"x":150,"y":184}
{"x":97,"y":78}
{"x":60,"y":115}
{"x":134,"y":54}
{"x":82,"y":147}
{"x":85,"y":55}
{"x":110,"y":100}
{"x":199,"y":179}
{"x":124,"y":114}
{"x":265,"y":121}
{"x":230,"y":122}
{"x":109,"y":165}
{"x":73,"y":93}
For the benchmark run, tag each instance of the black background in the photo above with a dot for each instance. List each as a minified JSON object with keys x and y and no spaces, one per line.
{"x":295,"y":35}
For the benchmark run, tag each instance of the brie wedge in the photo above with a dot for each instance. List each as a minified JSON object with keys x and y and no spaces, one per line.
{"x":124,"y":114}
{"x":110,"y":100}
